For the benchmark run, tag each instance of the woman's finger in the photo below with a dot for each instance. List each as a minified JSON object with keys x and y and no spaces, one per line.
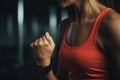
{"x":49,"y":38}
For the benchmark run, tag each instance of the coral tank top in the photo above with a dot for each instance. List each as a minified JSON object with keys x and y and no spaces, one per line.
{"x":86,"y":61}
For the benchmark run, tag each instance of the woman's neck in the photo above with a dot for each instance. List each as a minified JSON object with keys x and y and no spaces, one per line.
{"x":87,"y":10}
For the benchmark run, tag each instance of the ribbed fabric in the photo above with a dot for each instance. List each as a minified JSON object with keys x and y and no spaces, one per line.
{"x":86,"y":61}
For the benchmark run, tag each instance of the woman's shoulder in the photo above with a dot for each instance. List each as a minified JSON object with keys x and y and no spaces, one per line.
{"x":110,"y":28}
{"x":112,"y":18}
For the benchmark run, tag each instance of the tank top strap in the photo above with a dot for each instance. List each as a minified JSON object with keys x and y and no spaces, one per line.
{"x":97,"y":22}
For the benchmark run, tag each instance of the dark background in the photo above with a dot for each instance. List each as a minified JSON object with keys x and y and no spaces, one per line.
{"x":36,"y":13}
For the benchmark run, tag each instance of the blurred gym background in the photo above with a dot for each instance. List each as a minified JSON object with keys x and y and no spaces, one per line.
{"x":21,"y":22}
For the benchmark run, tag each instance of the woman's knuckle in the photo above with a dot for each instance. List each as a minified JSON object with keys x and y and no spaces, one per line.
{"x":46,"y":44}
{"x":42,"y":43}
{"x":53,"y":45}
{"x":35,"y":44}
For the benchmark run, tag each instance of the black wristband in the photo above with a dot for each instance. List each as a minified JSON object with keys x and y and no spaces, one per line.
{"x":44,"y":69}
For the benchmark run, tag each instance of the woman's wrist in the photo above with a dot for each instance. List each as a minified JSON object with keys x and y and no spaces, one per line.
{"x":44,"y":63}
{"x":43,"y":70}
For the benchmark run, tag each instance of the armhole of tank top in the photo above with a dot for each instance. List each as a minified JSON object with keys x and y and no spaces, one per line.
{"x":67,"y":29}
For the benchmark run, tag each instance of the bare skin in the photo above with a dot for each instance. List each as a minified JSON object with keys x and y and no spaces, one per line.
{"x":86,"y":12}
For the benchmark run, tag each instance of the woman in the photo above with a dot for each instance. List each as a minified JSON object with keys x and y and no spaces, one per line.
{"x":89,"y":42}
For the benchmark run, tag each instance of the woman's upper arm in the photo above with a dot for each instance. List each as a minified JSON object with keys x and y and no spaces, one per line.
{"x":61,"y":73}
{"x":112,"y":32}
{"x":114,"y":28}
{"x":112,"y":38}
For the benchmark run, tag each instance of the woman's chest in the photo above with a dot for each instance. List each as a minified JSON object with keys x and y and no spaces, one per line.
{"x":77,"y":34}
{"x":81,"y":57}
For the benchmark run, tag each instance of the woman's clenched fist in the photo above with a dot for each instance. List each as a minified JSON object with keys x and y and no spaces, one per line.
{"x":43,"y":49}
